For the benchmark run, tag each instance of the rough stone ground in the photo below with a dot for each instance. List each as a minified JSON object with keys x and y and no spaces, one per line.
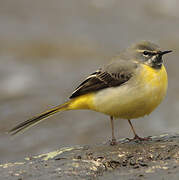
{"x":154,"y":159}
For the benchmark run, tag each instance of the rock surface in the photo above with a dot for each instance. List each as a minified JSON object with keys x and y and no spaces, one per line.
{"x":154,"y":159}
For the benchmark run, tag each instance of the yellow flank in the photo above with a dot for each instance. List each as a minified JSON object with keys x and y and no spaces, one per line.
{"x":138,"y":97}
{"x":82,"y":102}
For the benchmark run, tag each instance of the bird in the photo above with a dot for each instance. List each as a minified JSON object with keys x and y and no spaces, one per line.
{"x":130,"y":86}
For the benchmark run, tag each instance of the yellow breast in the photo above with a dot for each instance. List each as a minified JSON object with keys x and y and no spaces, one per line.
{"x":139,"y":97}
{"x":153,"y":87}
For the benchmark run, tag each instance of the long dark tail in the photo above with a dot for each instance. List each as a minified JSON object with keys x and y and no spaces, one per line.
{"x":38,"y":118}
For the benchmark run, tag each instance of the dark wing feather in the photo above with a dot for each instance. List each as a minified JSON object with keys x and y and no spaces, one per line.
{"x":114,"y":74}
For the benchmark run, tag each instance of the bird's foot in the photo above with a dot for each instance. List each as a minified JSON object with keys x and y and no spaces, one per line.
{"x":113,"y":142}
{"x":138,"y":138}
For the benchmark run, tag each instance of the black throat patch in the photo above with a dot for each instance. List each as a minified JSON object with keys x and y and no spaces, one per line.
{"x":157,"y":62}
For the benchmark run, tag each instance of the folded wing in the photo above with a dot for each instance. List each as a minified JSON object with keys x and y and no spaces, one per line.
{"x":114,"y":74}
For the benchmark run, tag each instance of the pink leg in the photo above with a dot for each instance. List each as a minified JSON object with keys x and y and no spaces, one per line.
{"x":136,"y":137}
{"x":113,"y":141}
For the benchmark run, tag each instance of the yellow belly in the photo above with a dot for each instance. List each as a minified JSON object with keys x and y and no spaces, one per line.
{"x":139,"y":97}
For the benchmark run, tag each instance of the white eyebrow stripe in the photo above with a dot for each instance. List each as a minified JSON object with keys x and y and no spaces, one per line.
{"x":142,"y":50}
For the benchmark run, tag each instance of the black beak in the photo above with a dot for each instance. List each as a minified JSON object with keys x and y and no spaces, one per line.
{"x":164,"y":52}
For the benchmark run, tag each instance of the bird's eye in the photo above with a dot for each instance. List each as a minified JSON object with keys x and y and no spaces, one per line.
{"x":146,"y":53}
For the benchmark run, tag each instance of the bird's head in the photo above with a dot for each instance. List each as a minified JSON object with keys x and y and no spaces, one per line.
{"x":147,"y":53}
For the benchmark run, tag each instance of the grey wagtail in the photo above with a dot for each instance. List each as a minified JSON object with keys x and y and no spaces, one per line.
{"x":132,"y":85}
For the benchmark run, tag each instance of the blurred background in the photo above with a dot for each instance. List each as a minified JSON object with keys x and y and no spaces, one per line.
{"x":48,"y":47}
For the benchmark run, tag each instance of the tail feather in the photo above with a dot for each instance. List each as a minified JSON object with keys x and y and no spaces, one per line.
{"x":38,"y":118}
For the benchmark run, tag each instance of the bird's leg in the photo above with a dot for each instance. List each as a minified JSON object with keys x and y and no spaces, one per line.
{"x":136,"y":137}
{"x":113,"y":141}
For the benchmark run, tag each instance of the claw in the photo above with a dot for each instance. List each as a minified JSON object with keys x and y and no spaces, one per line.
{"x":136,"y":137}
{"x":113,"y":142}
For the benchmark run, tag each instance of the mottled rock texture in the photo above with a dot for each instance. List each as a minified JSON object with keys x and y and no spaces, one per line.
{"x":154,"y":159}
